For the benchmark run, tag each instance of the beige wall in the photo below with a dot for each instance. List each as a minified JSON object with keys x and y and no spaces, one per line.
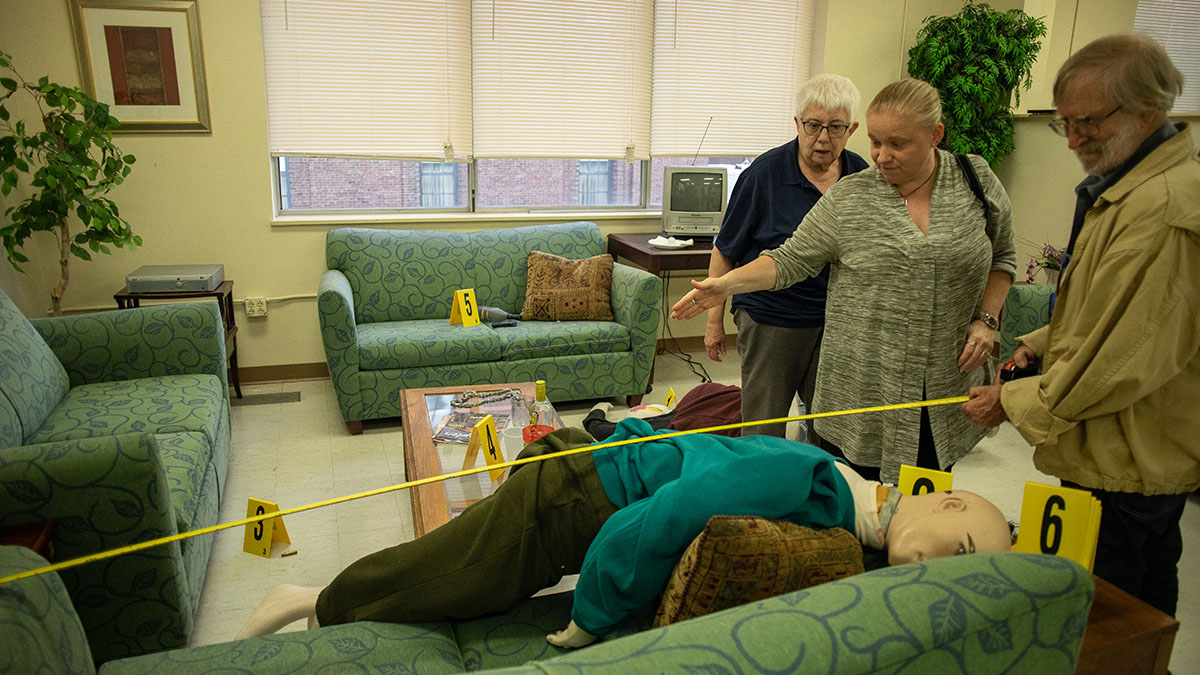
{"x":205,"y":198}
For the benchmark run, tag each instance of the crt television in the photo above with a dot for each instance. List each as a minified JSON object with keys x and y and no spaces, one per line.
{"x":694,"y":199}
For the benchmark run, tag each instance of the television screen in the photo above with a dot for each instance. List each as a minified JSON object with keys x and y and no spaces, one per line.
{"x":697,"y":192}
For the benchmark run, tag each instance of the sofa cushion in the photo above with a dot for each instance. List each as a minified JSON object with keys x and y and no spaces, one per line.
{"x":401,"y":275}
{"x":500,"y":276}
{"x":32,"y":380}
{"x":740,"y":559}
{"x":540,"y":339}
{"x":559,"y":289}
{"x":157,"y":405}
{"x":430,"y":342}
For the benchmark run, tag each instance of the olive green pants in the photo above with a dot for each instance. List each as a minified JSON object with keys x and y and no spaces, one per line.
{"x":533,"y":530}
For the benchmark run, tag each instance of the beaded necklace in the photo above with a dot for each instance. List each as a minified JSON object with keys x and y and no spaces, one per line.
{"x":464,"y":401}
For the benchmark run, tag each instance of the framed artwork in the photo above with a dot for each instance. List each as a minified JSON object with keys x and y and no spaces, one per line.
{"x":143,"y":58}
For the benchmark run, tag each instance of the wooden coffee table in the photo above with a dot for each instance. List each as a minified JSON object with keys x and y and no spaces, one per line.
{"x":434,"y":504}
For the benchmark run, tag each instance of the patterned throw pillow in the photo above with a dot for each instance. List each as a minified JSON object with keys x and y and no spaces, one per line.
{"x":740,"y":559}
{"x":560,"y":289}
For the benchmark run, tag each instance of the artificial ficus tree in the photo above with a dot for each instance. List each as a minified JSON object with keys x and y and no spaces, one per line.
{"x":69,"y":162}
{"x":977,"y":59}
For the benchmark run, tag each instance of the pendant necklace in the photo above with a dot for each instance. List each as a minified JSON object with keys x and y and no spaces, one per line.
{"x":906,"y":196}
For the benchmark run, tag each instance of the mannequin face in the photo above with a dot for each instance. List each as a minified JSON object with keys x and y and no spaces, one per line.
{"x":940,"y":524}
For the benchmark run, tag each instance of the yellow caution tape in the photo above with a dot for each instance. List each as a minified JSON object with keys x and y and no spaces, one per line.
{"x":82,"y":560}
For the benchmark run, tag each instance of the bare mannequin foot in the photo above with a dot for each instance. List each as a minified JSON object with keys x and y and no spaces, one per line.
{"x":282,"y":605}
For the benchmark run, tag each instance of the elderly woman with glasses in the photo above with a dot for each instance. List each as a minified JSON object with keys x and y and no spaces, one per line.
{"x":918,"y":275}
{"x":779,"y":331}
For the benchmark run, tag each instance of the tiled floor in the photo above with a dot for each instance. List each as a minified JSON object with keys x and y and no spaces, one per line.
{"x":300,"y":453}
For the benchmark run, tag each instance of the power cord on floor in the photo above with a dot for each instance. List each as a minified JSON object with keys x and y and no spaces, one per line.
{"x":670,"y":341}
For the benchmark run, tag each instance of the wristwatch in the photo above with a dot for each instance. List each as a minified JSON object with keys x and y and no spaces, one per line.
{"x":987,"y":319}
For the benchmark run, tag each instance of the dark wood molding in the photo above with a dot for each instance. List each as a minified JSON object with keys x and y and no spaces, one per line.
{"x":695,"y":343}
{"x":284,"y":372}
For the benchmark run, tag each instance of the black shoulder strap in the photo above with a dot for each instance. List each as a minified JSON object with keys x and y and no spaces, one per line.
{"x":964,"y":163}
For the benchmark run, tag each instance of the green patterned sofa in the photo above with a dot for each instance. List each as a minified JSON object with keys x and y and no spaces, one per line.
{"x":384,"y":308}
{"x":115,"y":427}
{"x":976,"y":614}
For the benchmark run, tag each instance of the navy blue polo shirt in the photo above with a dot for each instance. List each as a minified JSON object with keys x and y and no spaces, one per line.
{"x":769,"y":200}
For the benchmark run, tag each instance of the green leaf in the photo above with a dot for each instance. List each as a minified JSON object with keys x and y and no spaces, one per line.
{"x":8,"y":83}
{"x":80,"y":252}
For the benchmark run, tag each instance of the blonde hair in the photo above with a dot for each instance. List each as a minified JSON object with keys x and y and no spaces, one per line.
{"x":910,"y":97}
{"x":832,"y":92}
{"x":1134,"y":72}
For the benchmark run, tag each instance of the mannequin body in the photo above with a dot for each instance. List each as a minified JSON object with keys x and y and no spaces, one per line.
{"x":656,"y":498}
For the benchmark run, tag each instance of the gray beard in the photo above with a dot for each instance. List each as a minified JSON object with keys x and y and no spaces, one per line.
{"x":1115,"y":151}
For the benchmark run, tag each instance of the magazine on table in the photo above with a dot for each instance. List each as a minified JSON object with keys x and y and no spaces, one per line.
{"x":456,"y":427}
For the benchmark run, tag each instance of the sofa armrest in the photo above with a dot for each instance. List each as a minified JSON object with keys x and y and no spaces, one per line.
{"x":103,"y":493}
{"x":42,"y":633}
{"x":637,"y":304}
{"x":183,"y":338}
{"x":339,"y":335}
{"x":1026,"y":308}
{"x":997,"y":612}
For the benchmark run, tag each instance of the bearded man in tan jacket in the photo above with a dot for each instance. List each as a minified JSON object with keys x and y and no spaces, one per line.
{"x":1114,"y":408}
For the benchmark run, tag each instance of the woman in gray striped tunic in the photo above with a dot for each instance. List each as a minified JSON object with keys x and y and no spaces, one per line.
{"x":918,"y":276}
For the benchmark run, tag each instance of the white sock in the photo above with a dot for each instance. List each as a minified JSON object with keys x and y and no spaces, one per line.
{"x":282,"y":605}
{"x":604,"y":407}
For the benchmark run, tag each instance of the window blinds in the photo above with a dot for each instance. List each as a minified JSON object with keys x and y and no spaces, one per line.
{"x":1176,"y":26}
{"x":561,"y":78}
{"x":367,"y":79}
{"x":739,"y":64}
{"x":597,"y":79}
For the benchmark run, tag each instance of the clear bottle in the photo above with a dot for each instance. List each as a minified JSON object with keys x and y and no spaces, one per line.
{"x":541,"y":412}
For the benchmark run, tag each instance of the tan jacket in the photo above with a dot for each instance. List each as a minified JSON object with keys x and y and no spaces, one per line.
{"x":1117,"y":406}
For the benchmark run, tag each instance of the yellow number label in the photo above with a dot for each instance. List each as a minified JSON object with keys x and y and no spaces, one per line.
{"x":259,"y":535}
{"x":1059,"y":521}
{"x":483,"y":436}
{"x":462,"y":309}
{"x":918,"y":481}
{"x":671,"y":398}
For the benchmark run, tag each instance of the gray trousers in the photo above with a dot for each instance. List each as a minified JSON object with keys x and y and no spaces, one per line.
{"x":534,"y":529}
{"x":777,"y":364}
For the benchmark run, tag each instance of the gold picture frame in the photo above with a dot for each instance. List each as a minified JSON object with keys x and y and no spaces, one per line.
{"x":134,"y":55}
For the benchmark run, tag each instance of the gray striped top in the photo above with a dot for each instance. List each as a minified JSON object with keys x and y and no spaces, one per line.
{"x":899,"y":305}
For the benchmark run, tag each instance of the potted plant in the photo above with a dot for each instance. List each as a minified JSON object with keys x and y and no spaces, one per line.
{"x":1050,"y":260}
{"x":977,"y":59}
{"x":70,"y":164}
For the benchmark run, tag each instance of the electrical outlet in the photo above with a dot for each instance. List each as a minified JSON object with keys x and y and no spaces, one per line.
{"x":256,"y":306}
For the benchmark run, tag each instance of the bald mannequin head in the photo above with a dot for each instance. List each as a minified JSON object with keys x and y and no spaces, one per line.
{"x":940,"y":524}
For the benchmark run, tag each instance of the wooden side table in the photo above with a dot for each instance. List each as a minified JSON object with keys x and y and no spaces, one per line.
{"x":37,"y":537}
{"x":637,"y":249}
{"x":1125,"y":635}
{"x":224,"y":296}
